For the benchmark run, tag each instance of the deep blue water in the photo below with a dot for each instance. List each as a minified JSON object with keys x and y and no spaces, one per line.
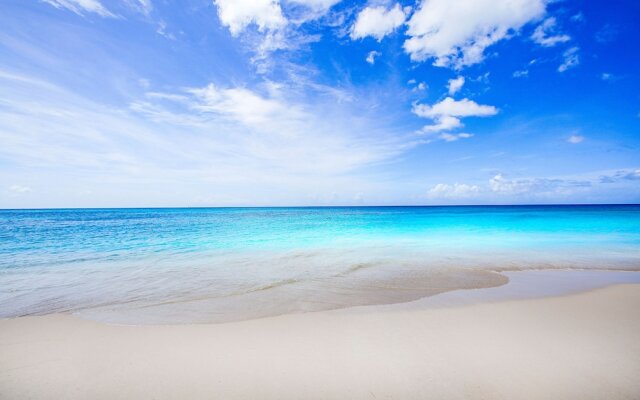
{"x":54,"y":260}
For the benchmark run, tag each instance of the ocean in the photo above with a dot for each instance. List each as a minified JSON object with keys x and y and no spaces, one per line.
{"x":196,"y":265}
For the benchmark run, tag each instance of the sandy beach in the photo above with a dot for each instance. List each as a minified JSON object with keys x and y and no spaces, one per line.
{"x":319,"y":200}
{"x":576,"y":346}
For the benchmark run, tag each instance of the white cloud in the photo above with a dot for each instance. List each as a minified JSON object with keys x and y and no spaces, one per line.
{"x":607,"y":76}
{"x":621,"y":175}
{"x":144,"y":83}
{"x":633,"y":175}
{"x":443,"y":123}
{"x":19,"y":189}
{"x":146,"y":5}
{"x":455,"y":191}
{"x":273,"y":143}
{"x":523,"y":73}
{"x":316,"y":5}
{"x":571,"y":59}
{"x":456,"y":33}
{"x":500,"y":184}
{"x":575,"y":139}
{"x":142,"y":6}
{"x":417,"y":86}
{"x":452,"y":137}
{"x":501,"y":187}
{"x":244,"y":106}
{"x":162,"y":31}
{"x":371,"y":57}
{"x":377,"y":22}
{"x":276,"y":27}
{"x":239,"y":14}
{"x":579,"y":17}
{"x":455,"y":85}
{"x":448,"y":112}
{"x":272,"y":127}
{"x":81,"y":6}
{"x":455,"y":108}
{"x":301,"y":11}
{"x":545,"y":35}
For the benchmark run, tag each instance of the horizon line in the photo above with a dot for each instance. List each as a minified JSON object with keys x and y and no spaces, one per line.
{"x":327,"y":206}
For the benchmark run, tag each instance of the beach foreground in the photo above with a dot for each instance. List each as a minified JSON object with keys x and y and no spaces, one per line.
{"x":578,"y":346}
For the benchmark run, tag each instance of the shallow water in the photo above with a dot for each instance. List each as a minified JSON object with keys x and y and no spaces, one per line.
{"x":223,"y":264}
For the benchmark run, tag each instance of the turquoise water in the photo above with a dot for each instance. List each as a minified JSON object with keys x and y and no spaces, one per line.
{"x":210,"y":264}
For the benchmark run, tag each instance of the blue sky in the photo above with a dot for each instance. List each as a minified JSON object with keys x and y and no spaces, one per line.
{"x":318,"y":102}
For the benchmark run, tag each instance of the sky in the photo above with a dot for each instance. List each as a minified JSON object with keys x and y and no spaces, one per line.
{"x":156,"y":103}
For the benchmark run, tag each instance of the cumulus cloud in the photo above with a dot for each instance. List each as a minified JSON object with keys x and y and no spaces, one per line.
{"x":377,"y":22}
{"x":456,"y":33}
{"x":455,"y":85}
{"x":545,"y":34}
{"x":447,"y":113}
{"x":82,"y":6}
{"x":571,"y":59}
{"x":371,"y":57}
{"x":455,"y":108}
{"x":267,"y":26}
{"x":575,"y":139}
{"x":443,"y":123}
{"x":237,"y":15}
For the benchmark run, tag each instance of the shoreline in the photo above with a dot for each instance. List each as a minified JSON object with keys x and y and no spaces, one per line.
{"x":488,"y":286}
{"x":568,"y":346}
{"x":498,"y":285}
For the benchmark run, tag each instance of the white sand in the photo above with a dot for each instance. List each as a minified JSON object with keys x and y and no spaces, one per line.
{"x":581,"y":346}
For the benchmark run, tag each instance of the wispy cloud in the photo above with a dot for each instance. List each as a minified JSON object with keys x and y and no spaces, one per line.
{"x":20,"y":189}
{"x":502,"y":189}
{"x":82,"y":7}
{"x":522,"y":73}
{"x":203,"y":136}
{"x":571,"y":59}
{"x":575,"y":139}
{"x":546,"y":34}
